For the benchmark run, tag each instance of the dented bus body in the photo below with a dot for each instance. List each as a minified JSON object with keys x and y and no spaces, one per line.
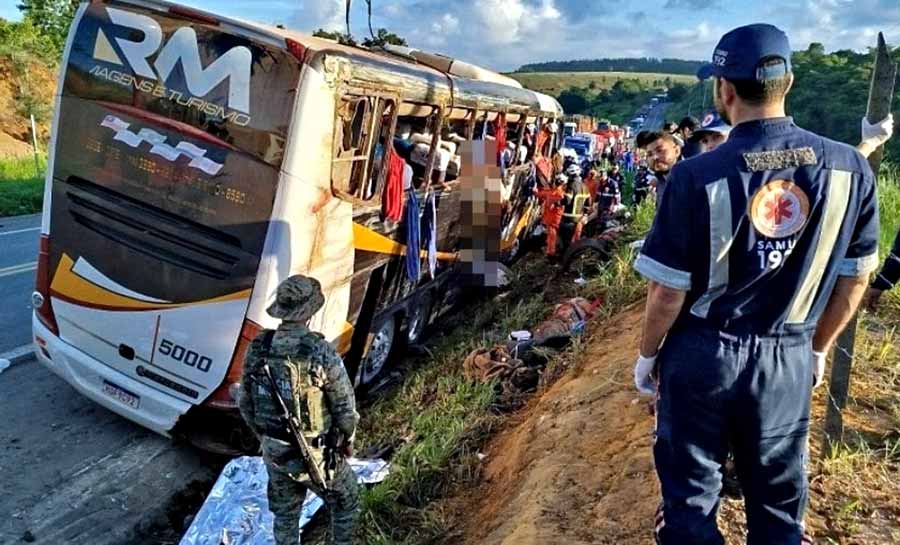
{"x":195,"y":162}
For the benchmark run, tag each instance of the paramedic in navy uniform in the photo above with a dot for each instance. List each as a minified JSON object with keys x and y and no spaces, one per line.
{"x":759,"y":255}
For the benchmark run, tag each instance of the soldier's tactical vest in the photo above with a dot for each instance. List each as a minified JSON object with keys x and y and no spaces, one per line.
{"x":301,"y":377}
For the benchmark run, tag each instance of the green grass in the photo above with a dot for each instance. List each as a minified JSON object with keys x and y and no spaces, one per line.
{"x":438,"y":419}
{"x":553,"y":83}
{"x":21,"y":187}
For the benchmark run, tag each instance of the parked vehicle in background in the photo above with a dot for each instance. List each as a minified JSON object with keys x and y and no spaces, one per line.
{"x":188,"y":179}
{"x":585,"y":145}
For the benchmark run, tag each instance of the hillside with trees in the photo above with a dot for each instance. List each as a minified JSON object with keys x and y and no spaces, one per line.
{"x":829,"y":94}
{"x":645,"y":64}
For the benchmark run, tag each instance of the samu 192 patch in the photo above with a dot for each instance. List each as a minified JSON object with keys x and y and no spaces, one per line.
{"x":779,"y":209}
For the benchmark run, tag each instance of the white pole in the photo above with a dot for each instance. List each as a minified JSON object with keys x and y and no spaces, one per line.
{"x":37,"y":162}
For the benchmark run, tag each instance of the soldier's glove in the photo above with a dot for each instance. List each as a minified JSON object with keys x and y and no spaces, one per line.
{"x":643,"y":375}
{"x":819,"y":372}
{"x":878,"y":133}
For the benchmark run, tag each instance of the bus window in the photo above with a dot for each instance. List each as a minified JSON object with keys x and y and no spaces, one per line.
{"x":386,"y":113}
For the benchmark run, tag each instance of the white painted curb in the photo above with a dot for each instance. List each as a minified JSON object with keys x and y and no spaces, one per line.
{"x":16,"y":356}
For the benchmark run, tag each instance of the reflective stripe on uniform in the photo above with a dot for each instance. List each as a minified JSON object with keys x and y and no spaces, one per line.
{"x":721,"y":237}
{"x":662,"y":274}
{"x":835,"y":208}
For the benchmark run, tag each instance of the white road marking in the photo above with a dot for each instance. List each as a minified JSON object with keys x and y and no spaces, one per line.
{"x":20,"y":231}
{"x":17,"y":269}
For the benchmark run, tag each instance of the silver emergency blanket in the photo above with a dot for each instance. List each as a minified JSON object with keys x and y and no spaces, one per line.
{"x":236,"y":512}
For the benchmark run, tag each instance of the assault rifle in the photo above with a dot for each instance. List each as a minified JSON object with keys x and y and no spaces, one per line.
{"x":294,"y":429}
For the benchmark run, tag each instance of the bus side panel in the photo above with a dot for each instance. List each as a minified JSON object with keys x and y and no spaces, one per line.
{"x":311,"y":231}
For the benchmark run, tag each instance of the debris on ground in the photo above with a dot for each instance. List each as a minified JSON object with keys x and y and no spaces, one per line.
{"x":236,"y":511}
{"x":514,"y":365}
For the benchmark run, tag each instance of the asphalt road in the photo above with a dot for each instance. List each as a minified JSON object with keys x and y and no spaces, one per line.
{"x":655,"y":117}
{"x":18,"y":260}
{"x":70,"y":470}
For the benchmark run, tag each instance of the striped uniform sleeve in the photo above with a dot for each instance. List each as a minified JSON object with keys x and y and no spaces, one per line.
{"x":666,"y":255}
{"x":862,"y":253}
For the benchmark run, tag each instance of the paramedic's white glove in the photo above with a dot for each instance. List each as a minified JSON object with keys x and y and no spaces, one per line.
{"x":819,"y":372}
{"x":643,"y":370}
{"x":879,"y":133}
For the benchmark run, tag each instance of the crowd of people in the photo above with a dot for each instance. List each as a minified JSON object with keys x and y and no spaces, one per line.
{"x":762,"y":248}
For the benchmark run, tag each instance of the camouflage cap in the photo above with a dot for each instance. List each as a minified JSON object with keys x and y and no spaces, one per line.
{"x":297,"y":299}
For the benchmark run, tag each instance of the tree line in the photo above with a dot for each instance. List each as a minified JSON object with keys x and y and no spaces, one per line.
{"x":644,"y":64}
{"x":829,"y":95}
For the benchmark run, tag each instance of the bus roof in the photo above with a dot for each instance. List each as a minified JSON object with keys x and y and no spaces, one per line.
{"x":417,"y":82}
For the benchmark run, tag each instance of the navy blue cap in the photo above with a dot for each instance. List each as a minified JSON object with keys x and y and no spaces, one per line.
{"x":740,"y":52}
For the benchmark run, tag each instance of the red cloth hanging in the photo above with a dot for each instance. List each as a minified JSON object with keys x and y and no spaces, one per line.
{"x":392,"y":197}
{"x":500,"y":134}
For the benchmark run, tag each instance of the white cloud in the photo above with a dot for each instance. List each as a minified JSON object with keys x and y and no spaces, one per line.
{"x":511,"y":21}
{"x":447,"y":24}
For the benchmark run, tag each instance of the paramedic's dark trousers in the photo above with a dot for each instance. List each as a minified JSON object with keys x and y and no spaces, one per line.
{"x":755,"y":392}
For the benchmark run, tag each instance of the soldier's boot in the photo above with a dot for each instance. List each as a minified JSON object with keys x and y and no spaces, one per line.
{"x":344,"y":505}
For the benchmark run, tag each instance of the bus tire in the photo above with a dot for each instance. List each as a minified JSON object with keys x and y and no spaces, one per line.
{"x":418,"y":316}
{"x":378,"y":356}
{"x":585,"y":249}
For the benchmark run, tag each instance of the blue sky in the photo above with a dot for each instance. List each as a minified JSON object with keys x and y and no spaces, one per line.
{"x":503,"y":34}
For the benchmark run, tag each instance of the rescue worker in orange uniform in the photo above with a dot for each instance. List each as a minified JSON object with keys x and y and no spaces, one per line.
{"x":551,"y":198}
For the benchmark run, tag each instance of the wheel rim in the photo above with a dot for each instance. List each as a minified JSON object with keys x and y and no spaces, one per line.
{"x":419,"y":320}
{"x":379,"y":351}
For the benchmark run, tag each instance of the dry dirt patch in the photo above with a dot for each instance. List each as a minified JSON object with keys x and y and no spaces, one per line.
{"x":575,"y":466}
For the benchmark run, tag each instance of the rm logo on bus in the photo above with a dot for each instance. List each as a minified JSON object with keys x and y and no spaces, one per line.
{"x":234,"y":65}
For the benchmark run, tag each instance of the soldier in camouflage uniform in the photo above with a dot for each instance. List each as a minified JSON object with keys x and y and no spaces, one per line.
{"x":315,"y":385}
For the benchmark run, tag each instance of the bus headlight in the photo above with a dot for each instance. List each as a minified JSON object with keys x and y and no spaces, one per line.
{"x":37,"y":300}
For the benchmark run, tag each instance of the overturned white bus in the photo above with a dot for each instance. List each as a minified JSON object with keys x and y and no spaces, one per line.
{"x":197,"y":161}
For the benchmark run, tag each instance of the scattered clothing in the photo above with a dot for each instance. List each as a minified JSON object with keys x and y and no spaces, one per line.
{"x":413,"y":226}
{"x":392,"y":198}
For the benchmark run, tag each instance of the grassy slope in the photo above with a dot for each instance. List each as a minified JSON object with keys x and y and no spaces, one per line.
{"x":438,"y":420}
{"x":552,"y":83}
{"x":21,"y":187}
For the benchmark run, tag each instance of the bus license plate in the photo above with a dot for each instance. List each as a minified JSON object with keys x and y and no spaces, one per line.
{"x":120,"y":394}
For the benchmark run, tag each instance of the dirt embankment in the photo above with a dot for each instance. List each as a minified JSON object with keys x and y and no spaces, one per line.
{"x":36,"y":80}
{"x":575,"y":467}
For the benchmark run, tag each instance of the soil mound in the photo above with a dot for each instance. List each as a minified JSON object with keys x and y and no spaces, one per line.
{"x":577,"y":468}
{"x":39,"y":80}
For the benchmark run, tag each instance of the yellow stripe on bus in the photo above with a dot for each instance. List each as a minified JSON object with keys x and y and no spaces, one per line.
{"x":370,"y":241}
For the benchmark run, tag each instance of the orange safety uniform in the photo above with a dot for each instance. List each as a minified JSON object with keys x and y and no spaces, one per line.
{"x":551,"y":214}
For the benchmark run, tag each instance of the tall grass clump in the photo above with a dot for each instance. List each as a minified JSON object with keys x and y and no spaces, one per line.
{"x":21,"y":186}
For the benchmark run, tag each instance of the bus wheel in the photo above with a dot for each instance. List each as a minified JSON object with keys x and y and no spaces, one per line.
{"x":379,"y":351}
{"x":418,"y":318}
{"x":586,"y":257}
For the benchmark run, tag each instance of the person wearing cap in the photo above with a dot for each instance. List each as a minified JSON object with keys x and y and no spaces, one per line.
{"x":577,"y":205}
{"x":758,"y":257}
{"x":712,"y":132}
{"x":314,"y":384}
